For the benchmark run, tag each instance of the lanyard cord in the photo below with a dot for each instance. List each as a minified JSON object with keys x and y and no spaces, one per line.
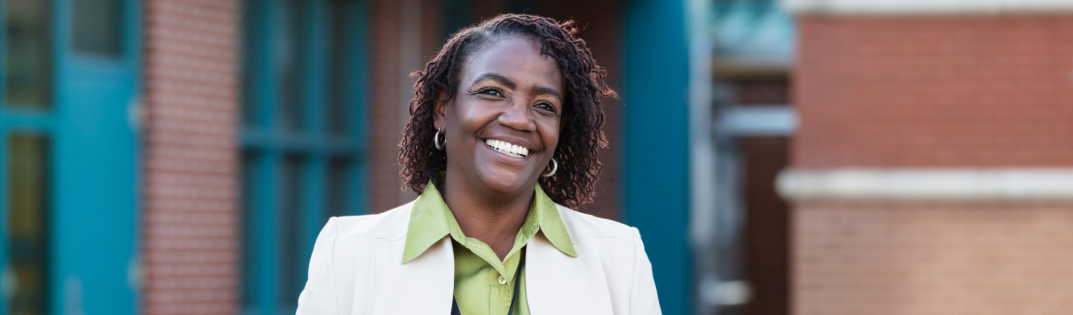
{"x":517,"y":280}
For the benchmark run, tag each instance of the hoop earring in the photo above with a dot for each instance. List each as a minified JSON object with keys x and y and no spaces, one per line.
{"x":554,"y":167}
{"x":436,"y":141}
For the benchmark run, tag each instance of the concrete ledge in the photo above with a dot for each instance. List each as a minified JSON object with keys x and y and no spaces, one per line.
{"x":927,"y":184}
{"x":918,"y":7}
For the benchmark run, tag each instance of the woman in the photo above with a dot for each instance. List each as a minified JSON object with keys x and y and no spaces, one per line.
{"x":504,"y":128}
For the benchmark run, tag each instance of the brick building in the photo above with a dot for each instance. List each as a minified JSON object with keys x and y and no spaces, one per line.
{"x":931,"y":173}
{"x":180,"y":156}
{"x":794,"y":156}
{"x":885,"y":157}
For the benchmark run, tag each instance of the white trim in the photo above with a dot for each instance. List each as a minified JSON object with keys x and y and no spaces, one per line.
{"x":924,"y":184}
{"x":837,"y":7}
{"x":757,"y":120}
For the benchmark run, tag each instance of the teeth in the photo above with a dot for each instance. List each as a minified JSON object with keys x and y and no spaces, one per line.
{"x":507,"y":148}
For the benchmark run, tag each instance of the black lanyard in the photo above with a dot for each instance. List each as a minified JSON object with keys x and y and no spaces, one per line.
{"x":513,"y":299}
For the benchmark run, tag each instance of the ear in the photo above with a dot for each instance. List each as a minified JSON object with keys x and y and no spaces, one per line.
{"x":439,"y":114}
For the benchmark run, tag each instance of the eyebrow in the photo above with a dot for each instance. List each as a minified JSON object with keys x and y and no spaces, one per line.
{"x":510,"y":84}
{"x":548,"y":91}
{"x":498,"y":78}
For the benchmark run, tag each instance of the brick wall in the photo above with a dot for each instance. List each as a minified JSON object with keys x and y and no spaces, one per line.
{"x":933,"y":259}
{"x":385,"y":131}
{"x":391,"y":91}
{"x":935,"y":91}
{"x":190,"y":169}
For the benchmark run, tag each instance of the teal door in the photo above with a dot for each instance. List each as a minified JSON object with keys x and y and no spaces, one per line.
{"x":70,"y":124}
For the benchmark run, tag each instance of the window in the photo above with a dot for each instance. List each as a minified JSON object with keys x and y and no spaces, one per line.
{"x":25,"y":156}
{"x":27,"y":224}
{"x":28,"y":47}
{"x":97,"y":29}
{"x":303,"y":89}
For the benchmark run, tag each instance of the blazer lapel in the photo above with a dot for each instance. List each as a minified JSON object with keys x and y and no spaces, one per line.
{"x":559,"y":284}
{"x":424,"y":285}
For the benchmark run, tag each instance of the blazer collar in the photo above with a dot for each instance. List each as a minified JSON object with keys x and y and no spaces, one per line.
{"x":430,"y":221}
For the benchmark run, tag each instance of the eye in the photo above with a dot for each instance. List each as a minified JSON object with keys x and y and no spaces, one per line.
{"x":545,"y":106}
{"x":490,"y":92}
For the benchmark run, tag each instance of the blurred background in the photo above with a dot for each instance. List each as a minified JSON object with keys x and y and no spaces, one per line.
{"x":778,"y":157}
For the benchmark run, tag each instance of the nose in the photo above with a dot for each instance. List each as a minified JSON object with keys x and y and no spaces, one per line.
{"x":518,"y":115}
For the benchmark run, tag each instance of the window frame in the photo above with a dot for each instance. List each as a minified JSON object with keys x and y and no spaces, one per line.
{"x":264,"y":138}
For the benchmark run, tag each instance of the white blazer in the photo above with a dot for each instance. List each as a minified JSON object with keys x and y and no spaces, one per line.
{"x":357,"y":268}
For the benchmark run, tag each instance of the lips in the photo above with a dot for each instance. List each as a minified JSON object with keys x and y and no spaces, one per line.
{"x":507,"y":148}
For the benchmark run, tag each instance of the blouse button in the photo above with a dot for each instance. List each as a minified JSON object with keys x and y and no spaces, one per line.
{"x":502,"y":280}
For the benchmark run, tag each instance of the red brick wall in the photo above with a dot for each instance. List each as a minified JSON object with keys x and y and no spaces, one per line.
{"x":935,"y":91}
{"x":389,"y":80}
{"x":933,"y":259}
{"x":190,"y":184}
{"x":384,"y":128}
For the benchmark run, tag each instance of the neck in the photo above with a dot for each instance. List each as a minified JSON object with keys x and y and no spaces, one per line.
{"x":492,"y":218}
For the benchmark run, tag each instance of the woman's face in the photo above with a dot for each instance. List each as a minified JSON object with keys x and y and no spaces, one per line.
{"x":503,"y":124}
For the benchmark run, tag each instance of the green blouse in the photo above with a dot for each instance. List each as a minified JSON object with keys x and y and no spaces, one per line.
{"x":483,"y":283}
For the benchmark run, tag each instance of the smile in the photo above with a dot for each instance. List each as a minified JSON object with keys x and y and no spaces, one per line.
{"x":507,"y":148}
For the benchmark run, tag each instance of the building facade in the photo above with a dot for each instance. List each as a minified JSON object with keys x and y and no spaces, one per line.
{"x":180,"y":156}
{"x":931,"y":170}
{"x":778,"y":157}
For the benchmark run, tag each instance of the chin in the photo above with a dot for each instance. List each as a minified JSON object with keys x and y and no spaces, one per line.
{"x":504,"y":181}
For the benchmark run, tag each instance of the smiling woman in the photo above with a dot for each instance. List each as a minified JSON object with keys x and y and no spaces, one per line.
{"x":504,"y":128}
{"x":572,"y":91}
{"x":508,"y":100}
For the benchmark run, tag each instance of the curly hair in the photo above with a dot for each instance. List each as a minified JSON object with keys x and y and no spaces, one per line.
{"x":580,"y":138}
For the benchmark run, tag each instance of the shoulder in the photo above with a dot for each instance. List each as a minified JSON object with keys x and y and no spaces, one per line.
{"x":389,"y":225}
{"x":581,"y":226}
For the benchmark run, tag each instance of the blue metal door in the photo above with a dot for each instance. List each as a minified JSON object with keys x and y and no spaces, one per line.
{"x":95,"y":158}
{"x":69,"y":157}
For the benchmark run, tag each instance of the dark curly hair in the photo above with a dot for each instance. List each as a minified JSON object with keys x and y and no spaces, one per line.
{"x":580,"y":138}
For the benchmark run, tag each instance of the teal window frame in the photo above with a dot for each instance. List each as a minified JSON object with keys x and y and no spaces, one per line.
{"x":267,"y":144}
